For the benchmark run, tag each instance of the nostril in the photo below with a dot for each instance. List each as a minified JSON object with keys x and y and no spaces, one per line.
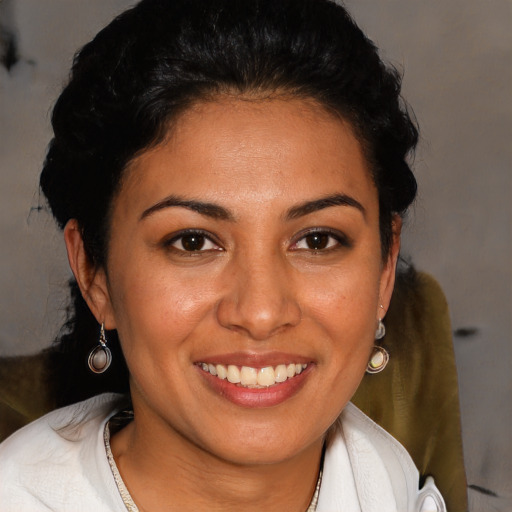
{"x":258,"y":319}
{"x":259,"y":298}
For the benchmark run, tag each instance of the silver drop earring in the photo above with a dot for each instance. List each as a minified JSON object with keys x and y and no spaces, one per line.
{"x":100,"y":356}
{"x":381,"y":330}
{"x":380,"y":356}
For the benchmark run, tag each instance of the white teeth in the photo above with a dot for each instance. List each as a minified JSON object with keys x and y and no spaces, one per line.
{"x":266,"y":376}
{"x":222,"y":373}
{"x":250,"y":377}
{"x":280,"y":373}
{"x":233,"y":374}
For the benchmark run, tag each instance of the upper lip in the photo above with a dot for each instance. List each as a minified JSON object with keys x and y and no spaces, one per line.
{"x":255,"y":360}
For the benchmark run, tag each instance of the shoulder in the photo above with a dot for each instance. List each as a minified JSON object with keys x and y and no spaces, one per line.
{"x":60,"y":428}
{"x":384,"y":475}
{"x":45,"y":464}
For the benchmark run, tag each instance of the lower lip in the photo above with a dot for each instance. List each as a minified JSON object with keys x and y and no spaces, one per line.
{"x":257,"y":397}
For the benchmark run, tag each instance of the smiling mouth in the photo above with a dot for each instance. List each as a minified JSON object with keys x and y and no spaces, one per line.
{"x":258,"y":378}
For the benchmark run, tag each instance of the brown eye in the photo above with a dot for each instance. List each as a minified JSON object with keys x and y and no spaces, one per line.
{"x":321,"y":240}
{"x":317,"y":241}
{"x":193,"y":242}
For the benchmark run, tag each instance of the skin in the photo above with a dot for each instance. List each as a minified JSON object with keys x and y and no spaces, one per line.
{"x":259,"y":287}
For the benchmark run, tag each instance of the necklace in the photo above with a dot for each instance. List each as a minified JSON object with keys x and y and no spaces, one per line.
{"x":122,"y":418}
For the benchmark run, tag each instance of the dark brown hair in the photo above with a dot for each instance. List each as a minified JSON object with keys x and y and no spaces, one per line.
{"x":131,"y":82}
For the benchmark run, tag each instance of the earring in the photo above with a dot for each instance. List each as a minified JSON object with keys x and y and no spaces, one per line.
{"x":380,"y":356}
{"x":100,"y":356}
{"x":378,"y":360}
{"x":381,"y":330}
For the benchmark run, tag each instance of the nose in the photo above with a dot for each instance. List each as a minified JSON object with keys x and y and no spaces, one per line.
{"x":260,"y":300}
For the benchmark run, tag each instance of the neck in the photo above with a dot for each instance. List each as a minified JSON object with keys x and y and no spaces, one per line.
{"x":164,"y":471}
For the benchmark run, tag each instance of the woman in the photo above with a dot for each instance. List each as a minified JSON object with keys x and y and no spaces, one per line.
{"x":230,"y":176}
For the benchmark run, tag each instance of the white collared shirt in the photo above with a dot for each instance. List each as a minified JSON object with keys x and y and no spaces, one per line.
{"x":59,"y":463}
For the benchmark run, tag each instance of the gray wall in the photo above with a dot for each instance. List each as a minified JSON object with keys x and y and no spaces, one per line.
{"x":457,"y":58}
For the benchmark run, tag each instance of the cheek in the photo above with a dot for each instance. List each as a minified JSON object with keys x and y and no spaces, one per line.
{"x":157,"y":310}
{"x":346,"y":300}
{"x":345,"y":307}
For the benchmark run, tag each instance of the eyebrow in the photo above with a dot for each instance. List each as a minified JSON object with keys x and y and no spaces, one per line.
{"x":218,"y":212}
{"x":324,"y":202}
{"x":209,"y":209}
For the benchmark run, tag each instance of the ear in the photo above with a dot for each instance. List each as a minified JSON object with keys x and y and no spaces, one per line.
{"x":91,"y":280}
{"x":387,"y":281}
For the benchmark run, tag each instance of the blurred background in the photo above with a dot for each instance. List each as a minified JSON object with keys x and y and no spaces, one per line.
{"x":456,"y":56}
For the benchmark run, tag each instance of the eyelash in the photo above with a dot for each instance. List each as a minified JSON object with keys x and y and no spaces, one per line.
{"x":206,"y":237}
{"x":340,"y":240}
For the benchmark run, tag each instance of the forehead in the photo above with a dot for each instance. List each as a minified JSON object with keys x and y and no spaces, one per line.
{"x":239,"y":148}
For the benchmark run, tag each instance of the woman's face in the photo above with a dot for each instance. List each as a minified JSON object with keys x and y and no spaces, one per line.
{"x":244,"y":244}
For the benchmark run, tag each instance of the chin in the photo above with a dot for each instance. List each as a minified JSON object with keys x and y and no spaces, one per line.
{"x":249,"y":445}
